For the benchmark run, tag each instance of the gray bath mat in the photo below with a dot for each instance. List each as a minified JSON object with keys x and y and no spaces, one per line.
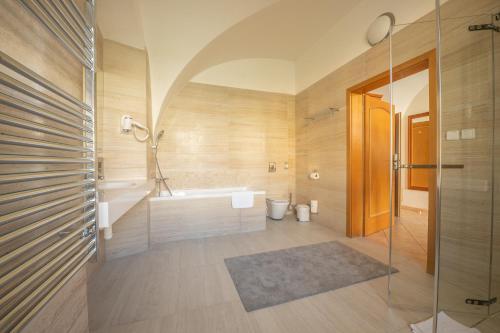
{"x":270,"y":278}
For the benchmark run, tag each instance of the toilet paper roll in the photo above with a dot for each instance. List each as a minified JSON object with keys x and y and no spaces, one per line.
{"x":314,"y":206}
{"x":314,"y":176}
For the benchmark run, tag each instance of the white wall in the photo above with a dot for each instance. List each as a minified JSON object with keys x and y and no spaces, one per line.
{"x":271,"y":75}
{"x":412,"y":198}
{"x":410,"y":96}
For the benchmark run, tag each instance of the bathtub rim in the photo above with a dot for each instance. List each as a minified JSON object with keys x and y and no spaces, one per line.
{"x":213,"y":194}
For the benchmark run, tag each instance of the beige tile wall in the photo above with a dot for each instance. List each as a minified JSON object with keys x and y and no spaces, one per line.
{"x":122,"y":89}
{"x":467,"y":97}
{"x":225,"y":137}
{"x":123,"y":92}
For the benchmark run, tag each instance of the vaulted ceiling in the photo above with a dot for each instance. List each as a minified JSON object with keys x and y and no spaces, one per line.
{"x":185,"y":38}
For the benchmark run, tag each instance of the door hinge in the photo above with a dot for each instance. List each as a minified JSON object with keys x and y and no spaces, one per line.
{"x":481,"y":302}
{"x":396,"y":162}
{"x":480,"y":27}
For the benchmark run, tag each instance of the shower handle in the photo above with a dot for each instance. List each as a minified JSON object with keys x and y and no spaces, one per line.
{"x":431,"y":166}
{"x":397,"y":165}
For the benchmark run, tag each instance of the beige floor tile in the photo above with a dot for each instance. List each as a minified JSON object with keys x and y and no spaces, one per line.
{"x":184,"y":286}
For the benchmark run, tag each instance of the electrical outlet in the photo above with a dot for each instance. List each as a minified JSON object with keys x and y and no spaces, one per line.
{"x":468,"y":134}
{"x":453,"y":135}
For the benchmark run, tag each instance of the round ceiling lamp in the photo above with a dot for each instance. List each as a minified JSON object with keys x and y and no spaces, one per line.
{"x":380,"y":28}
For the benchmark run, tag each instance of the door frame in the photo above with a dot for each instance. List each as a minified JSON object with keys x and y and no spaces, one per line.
{"x":355,"y":145}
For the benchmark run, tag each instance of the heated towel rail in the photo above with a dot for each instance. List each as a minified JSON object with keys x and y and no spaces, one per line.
{"x":48,"y":221}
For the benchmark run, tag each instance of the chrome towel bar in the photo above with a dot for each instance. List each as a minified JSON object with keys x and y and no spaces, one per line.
{"x":48,"y":218}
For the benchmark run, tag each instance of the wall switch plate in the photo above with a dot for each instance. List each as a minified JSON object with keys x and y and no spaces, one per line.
{"x":468,"y":133}
{"x":453,"y":135}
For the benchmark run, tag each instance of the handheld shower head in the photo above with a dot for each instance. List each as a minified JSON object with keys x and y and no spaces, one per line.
{"x":157,"y":139}
{"x":159,"y":135}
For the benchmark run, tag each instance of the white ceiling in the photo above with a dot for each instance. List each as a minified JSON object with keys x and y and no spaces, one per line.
{"x":121,"y":21}
{"x":405,"y":90}
{"x":271,"y":75}
{"x":188,"y":37}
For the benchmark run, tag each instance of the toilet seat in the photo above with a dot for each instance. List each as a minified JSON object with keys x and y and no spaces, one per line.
{"x":278,"y":201}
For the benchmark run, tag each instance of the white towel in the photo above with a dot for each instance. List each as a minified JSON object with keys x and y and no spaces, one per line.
{"x":445,"y":325}
{"x":242,"y":199}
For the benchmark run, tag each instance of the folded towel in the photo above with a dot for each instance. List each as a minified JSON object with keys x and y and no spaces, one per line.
{"x":242,"y":199}
{"x":445,"y":325}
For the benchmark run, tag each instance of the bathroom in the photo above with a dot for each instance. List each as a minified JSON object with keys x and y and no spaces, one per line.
{"x":179,"y":166}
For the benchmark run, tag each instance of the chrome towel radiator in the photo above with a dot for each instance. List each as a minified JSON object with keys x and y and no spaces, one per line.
{"x":48,"y":227}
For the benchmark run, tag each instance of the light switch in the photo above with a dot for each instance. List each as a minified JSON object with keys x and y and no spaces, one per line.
{"x":468,"y":133}
{"x":453,"y":135}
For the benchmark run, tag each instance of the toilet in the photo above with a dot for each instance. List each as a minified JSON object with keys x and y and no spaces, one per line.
{"x":276,"y":209}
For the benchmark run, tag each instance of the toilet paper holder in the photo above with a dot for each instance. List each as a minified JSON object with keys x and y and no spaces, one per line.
{"x":314,"y":175}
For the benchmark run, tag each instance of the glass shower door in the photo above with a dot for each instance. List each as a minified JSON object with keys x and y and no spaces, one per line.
{"x":469,"y":257}
{"x":495,"y":269}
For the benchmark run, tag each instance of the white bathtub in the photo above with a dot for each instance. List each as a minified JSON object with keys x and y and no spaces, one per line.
{"x":198,"y":213}
{"x":202,"y":193}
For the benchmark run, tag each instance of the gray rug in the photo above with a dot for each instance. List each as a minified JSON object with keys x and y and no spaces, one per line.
{"x":270,"y":278}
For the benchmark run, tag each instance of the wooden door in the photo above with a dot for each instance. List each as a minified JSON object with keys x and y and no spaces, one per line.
{"x":418,"y":150}
{"x":377,"y":164}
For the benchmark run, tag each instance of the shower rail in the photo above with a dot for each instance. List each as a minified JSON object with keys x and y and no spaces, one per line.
{"x":48,"y":220}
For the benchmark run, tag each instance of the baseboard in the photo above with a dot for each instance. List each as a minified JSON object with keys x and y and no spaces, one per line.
{"x":415,"y":209}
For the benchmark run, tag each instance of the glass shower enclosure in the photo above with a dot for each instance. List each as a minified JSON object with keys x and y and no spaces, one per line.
{"x":467,"y":162}
{"x":468,"y":256}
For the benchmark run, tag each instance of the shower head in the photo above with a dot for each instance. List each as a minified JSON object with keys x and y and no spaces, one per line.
{"x":159,"y":135}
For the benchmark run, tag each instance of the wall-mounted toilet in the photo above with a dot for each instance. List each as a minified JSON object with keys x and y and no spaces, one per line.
{"x":276,"y":209}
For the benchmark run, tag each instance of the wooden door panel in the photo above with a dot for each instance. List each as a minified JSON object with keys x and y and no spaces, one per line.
{"x":377,"y":164}
{"x":418,"y":150}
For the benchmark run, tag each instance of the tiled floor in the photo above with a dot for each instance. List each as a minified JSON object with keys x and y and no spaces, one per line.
{"x":491,"y":324}
{"x":410,"y":236}
{"x":184,"y":287}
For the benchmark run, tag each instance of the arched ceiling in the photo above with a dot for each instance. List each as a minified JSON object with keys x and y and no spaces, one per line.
{"x":405,"y":90}
{"x":271,"y":75}
{"x":186,"y":38}
{"x":121,"y":21}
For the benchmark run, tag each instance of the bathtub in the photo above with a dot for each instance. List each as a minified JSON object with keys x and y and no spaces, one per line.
{"x":199,"y":213}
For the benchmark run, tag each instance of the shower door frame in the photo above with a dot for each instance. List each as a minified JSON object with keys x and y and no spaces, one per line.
{"x":355,"y":145}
